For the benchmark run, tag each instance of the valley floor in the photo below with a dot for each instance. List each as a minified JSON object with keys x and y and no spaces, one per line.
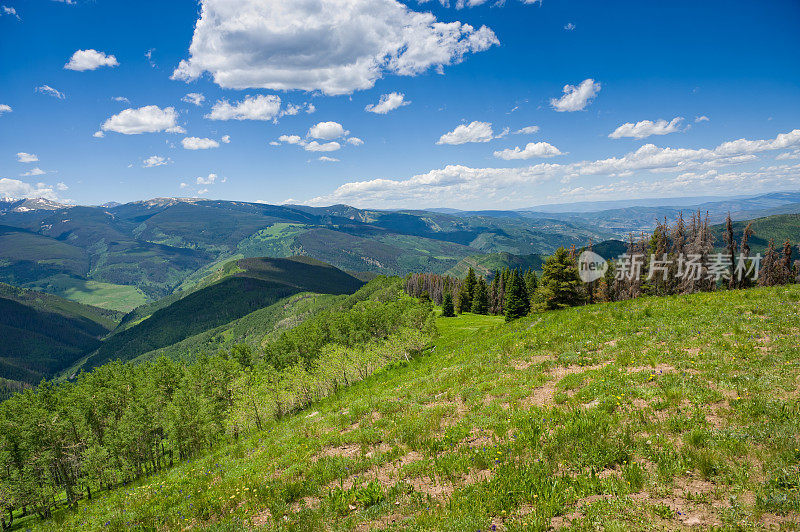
{"x":652,"y":414}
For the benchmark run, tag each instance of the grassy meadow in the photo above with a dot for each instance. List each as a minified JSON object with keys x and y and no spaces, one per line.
{"x":650,"y":414}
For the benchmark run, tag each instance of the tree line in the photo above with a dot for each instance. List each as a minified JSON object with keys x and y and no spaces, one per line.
{"x":514,"y":294}
{"x":62,"y":442}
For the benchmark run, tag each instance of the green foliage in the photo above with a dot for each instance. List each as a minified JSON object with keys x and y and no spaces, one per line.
{"x":480,"y":298}
{"x":517,"y":302}
{"x":448,"y":310}
{"x":464,"y":302}
{"x":560,"y":285}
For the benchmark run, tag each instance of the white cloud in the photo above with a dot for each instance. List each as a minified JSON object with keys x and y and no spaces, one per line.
{"x":122,"y":99}
{"x":473,"y":132}
{"x":576,"y":97}
{"x":27,"y":157}
{"x":332,"y":46}
{"x":149,"y":119}
{"x":702,"y":118}
{"x":327,"y":159}
{"x":355,"y":141}
{"x":5,"y":108}
{"x":698,"y":169}
{"x":327,"y":131}
{"x":202,"y":191}
{"x":90,"y":60}
{"x":226,"y":139}
{"x":533,"y":149}
{"x":61,"y":186}
{"x":50,"y":91}
{"x":16,"y":189}
{"x":789,"y":155}
{"x":646,"y":128}
{"x":98,"y":134}
{"x":9,"y":11}
{"x":290,"y":139}
{"x":206,"y":180}
{"x":530,"y":130}
{"x":316,"y":146}
{"x":569,"y":26}
{"x":184,"y":185}
{"x":388,"y":102}
{"x":194,"y":98}
{"x":155,"y":160}
{"x":196,"y":143}
{"x":34,"y":172}
{"x":251,"y":108}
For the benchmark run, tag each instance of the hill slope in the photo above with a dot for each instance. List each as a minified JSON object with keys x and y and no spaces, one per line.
{"x":648,"y":414}
{"x":43,"y":334}
{"x":242,"y":287}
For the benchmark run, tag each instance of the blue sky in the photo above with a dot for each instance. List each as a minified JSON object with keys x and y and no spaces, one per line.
{"x":471,"y":78}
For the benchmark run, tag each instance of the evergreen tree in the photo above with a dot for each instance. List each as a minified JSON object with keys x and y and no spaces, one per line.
{"x":746,"y":280}
{"x":495,"y":303}
{"x":480,"y":299}
{"x":517,"y":303}
{"x":769,"y":274}
{"x":531,"y":282}
{"x":786,"y":266}
{"x":448,"y":311}
{"x":560,"y":285}
{"x":464,"y":303}
{"x":730,"y":244}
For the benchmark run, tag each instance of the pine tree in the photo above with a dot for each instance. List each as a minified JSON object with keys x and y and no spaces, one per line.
{"x":495,"y":305}
{"x":447,"y":306}
{"x":531,"y":282}
{"x":480,"y":299}
{"x":786,"y":273}
{"x":746,"y":280}
{"x":560,"y":285}
{"x":517,"y":303}
{"x":769,"y":274}
{"x":464,"y":303}
{"x":730,"y":243}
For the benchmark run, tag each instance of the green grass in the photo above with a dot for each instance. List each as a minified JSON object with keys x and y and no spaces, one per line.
{"x":109,"y":296}
{"x":648,"y":414}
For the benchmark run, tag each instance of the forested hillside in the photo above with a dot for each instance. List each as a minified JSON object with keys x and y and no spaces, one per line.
{"x":242,"y":287}
{"x":43,"y":334}
{"x":647,"y":414}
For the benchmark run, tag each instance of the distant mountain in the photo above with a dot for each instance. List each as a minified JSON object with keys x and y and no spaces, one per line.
{"x":239,"y":288}
{"x":779,"y":228}
{"x":596,"y":206}
{"x":122,"y":256}
{"x":43,"y":334}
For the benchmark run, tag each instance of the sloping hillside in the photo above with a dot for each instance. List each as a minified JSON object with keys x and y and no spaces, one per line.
{"x":780,"y":228}
{"x":43,"y":334}
{"x":241,"y":287}
{"x":650,"y":414}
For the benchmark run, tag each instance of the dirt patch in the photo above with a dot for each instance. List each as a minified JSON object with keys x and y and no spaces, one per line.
{"x":533,"y":361}
{"x":261,"y":519}
{"x":479,"y":438}
{"x":658,"y":369}
{"x":543,"y":395}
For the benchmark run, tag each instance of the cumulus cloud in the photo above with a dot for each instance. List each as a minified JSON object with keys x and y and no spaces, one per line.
{"x":122,"y":99}
{"x":196,"y":143}
{"x":646,"y":128}
{"x":332,"y":46}
{"x":149,"y":119}
{"x":194,"y":98}
{"x":5,"y":108}
{"x":226,"y":139}
{"x":355,"y":141}
{"x":327,"y":159}
{"x":290,"y":139}
{"x":34,"y":172}
{"x":207,"y":180}
{"x":702,"y":118}
{"x":530,"y":130}
{"x":533,"y":149}
{"x":98,"y":134}
{"x":90,"y":60}
{"x":50,"y":91}
{"x":694,"y":167}
{"x":27,"y":157}
{"x":316,"y":146}
{"x":251,"y":108}
{"x":155,"y":160}
{"x":472,"y":132}
{"x":16,"y":189}
{"x":576,"y":97}
{"x":327,"y":131}
{"x":388,"y":102}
